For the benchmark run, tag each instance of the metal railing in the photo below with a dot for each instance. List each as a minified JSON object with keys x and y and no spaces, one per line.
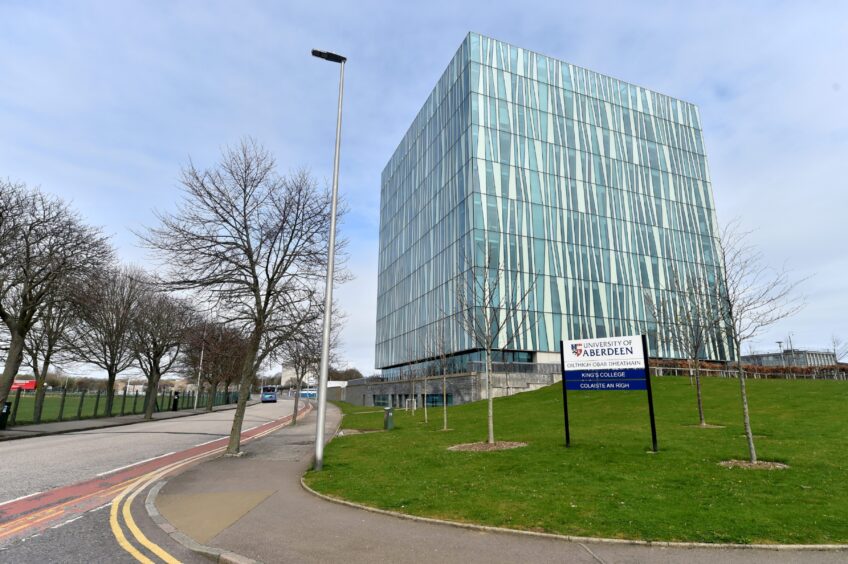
{"x":64,"y":405}
{"x":833,"y":374}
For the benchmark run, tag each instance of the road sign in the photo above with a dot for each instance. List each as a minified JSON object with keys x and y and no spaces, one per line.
{"x":611,"y":364}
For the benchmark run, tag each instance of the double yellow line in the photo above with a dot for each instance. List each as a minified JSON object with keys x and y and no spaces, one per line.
{"x":121,"y":511}
{"x":42,"y":516}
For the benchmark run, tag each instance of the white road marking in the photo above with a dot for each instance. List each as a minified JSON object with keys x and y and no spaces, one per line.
{"x":112,"y":471}
{"x":62,"y":524}
{"x":19,"y":498}
{"x":207,"y":442}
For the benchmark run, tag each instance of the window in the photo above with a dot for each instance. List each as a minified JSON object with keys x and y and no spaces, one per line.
{"x":381,"y":400}
{"x":435,"y":400}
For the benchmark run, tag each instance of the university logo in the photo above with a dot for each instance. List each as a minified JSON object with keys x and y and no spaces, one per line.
{"x":577,"y":349}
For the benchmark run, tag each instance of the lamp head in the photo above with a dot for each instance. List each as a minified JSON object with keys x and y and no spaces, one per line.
{"x":332,"y":57}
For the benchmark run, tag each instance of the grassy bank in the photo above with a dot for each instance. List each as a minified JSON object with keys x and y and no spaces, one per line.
{"x":607,"y":484}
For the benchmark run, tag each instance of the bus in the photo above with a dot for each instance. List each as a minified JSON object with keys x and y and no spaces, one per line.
{"x":269,"y":394}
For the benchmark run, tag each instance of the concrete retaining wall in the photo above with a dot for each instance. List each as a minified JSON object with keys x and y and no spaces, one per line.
{"x":461,"y":388}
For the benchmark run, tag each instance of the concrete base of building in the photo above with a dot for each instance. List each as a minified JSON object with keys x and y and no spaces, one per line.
{"x":459,"y":388}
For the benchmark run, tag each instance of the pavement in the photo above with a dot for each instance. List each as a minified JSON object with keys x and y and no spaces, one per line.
{"x":59,"y":427}
{"x":255,"y":506}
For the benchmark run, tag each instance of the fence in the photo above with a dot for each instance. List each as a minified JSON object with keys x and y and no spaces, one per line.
{"x":62,"y":405}
{"x":835,"y":374}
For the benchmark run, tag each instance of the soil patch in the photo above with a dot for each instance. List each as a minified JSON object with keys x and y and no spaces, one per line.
{"x":760,"y":465}
{"x":486,"y":447}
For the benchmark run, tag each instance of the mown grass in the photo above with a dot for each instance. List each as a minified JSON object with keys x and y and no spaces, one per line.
{"x":608,"y":484}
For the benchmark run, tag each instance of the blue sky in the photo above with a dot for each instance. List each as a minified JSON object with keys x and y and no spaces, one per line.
{"x":103,"y":102}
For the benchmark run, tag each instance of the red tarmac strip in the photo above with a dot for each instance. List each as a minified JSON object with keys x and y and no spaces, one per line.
{"x":31,"y":515}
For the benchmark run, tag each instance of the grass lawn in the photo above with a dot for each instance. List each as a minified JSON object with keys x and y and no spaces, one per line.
{"x":607,"y":484}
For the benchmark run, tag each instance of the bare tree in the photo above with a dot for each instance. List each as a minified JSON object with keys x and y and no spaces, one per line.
{"x":688,"y":317}
{"x":106,"y":306}
{"x":436,"y":347}
{"x":753,"y":297}
{"x":492,"y":312}
{"x":222,"y":349}
{"x":252,"y":242}
{"x":43,"y":242}
{"x":839,"y":347}
{"x":46,"y":341}
{"x":302,"y":352}
{"x":158,"y":331}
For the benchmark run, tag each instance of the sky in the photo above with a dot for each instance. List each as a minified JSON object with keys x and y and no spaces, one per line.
{"x":102,"y":103}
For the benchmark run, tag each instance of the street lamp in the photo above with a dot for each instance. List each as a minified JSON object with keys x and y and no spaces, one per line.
{"x":200,"y":367}
{"x":328,"y":293}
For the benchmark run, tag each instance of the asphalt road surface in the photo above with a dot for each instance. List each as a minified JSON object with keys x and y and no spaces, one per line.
{"x":74,"y":486}
{"x":43,"y":463}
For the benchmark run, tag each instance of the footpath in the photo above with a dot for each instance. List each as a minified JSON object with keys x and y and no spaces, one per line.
{"x":253,"y":508}
{"x":59,"y":427}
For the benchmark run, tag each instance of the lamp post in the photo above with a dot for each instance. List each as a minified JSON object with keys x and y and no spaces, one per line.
{"x":200,"y":367}
{"x":328,"y":293}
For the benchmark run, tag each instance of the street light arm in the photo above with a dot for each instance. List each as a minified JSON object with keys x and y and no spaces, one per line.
{"x":327,"y":55}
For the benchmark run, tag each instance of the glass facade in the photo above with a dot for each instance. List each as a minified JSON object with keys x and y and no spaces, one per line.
{"x":588,"y":189}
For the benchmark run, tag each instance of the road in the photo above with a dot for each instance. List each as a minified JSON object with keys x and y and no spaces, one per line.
{"x":73,"y":485}
{"x":43,"y":463}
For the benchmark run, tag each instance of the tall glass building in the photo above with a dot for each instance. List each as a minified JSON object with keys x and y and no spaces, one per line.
{"x":590,"y":191}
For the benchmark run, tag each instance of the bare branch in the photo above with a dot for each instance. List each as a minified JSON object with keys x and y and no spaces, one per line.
{"x":253,"y":243}
{"x":43,"y":245}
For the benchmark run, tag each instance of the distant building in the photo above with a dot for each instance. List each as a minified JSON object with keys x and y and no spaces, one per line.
{"x":792,"y":358}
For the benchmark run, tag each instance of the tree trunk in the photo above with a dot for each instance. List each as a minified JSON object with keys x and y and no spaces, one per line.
{"x":149,"y":395}
{"x":110,"y":391}
{"x":703,"y":421}
{"x":296,"y":401}
{"x":752,"y":451}
{"x":247,"y":374}
{"x":40,"y":390}
{"x":152,"y":384}
{"x":210,"y":401}
{"x":444,"y":400}
{"x":14,"y":359}
{"x":424,"y":399}
{"x":490,"y":417}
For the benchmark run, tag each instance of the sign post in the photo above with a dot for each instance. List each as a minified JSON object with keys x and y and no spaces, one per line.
{"x":615,"y":363}
{"x":564,"y":398}
{"x":650,"y":395}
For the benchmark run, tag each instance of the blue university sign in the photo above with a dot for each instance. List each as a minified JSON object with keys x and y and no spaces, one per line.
{"x":614,"y":364}
{"x":604,"y":364}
